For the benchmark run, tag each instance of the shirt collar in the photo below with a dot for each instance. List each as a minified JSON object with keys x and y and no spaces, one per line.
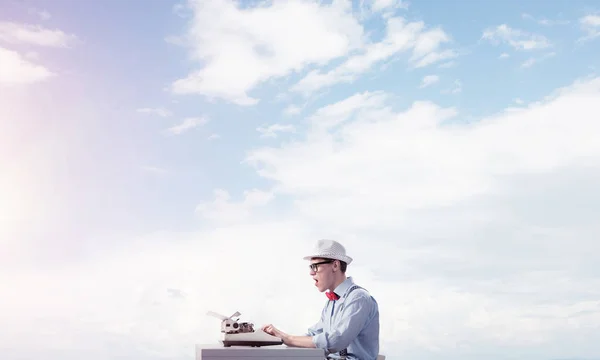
{"x":345,"y":285}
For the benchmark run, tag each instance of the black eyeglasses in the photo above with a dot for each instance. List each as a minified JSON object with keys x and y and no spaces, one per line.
{"x":315,"y":266}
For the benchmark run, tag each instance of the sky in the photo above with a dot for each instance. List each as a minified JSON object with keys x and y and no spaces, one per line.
{"x":162,"y":159}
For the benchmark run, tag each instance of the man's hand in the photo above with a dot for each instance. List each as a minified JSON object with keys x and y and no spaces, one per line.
{"x":289,"y":340}
{"x":272,"y":330}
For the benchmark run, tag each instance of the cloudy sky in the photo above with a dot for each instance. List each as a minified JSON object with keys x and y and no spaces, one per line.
{"x":160,"y":159}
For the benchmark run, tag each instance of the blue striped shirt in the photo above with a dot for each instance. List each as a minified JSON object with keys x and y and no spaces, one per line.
{"x":351,"y":323}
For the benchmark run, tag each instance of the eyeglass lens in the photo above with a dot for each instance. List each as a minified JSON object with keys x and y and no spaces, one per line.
{"x":315,"y":266}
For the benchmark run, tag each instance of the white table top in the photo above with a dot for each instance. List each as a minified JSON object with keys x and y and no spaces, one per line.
{"x":218,"y":350}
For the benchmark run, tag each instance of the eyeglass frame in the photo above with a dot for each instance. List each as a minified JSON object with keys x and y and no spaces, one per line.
{"x":315,"y":266}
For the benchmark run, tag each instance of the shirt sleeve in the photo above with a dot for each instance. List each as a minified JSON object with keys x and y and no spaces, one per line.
{"x":356,"y":313}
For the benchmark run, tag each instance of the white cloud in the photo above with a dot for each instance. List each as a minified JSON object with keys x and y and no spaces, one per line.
{"x":447,"y":65}
{"x":429,"y":80}
{"x":591,"y":25}
{"x":42,"y":14}
{"x":162,"y":112}
{"x":447,"y":163}
{"x":16,"y":70}
{"x":32,"y":55}
{"x":380,"y":5}
{"x":333,"y":115}
{"x":481,"y":234}
{"x":384,"y":7}
{"x":187,"y":124}
{"x":544,"y":21}
{"x":518,"y":39}
{"x":591,"y":20}
{"x":534,"y":60}
{"x":268,"y":42}
{"x":272,"y":130}
{"x":222,"y":210}
{"x":456,"y":89}
{"x":473,"y":237}
{"x":401,"y":36}
{"x":16,"y":33}
{"x":292,"y":110}
{"x":478,"y":239}
{"x":243,"y":48}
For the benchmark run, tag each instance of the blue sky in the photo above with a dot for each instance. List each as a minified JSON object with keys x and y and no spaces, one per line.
{"x":481,"y":177}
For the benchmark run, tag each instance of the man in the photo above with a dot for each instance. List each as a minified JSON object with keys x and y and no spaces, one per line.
{"x":349,"y":324}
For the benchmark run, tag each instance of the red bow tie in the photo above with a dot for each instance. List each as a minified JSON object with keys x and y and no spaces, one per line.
{"x":331,"y":295}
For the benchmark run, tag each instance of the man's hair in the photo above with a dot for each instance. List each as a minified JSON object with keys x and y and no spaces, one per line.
{"x":343,"y":266}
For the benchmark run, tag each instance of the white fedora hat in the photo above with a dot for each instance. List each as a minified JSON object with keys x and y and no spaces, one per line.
{"x":329,"y":249}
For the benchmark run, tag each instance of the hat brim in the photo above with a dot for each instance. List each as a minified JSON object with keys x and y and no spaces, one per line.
{"x":344,"y":258}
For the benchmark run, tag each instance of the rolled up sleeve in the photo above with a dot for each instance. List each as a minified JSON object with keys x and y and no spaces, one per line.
{"x":315,"y":329}
{"x":353,"y":317}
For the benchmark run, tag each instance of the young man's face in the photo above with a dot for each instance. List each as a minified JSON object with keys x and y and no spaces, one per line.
{"x":321,"y":272}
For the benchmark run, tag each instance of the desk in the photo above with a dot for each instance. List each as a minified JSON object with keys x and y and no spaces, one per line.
{"x":277,"y":352}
